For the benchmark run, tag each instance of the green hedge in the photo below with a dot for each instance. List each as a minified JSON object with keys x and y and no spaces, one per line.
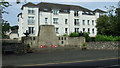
{"x":97,"y":38}
{"x":107,"y":38}
{"x":74,"y":34}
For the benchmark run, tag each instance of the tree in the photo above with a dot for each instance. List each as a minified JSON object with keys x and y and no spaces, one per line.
{"x":109,"y":24}
{"x":5,"y":27}
{"x":103,"y":25}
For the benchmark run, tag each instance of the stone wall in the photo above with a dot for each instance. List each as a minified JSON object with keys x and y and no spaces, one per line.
{"x":47,"y":36}
{"x":103,"y":45}
{"x":71,"y":41}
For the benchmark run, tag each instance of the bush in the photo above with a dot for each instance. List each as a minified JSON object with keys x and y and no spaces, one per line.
{"x":65,"y":35}
{"x":87,"y":37}
{"x":107,"y":38}
{"x":84,"y":45}
{"x":74,"y":34}
{"x":117,"y":38}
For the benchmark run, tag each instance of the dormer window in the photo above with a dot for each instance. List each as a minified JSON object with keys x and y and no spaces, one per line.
{"x":55,"y":11}
{"x":31,"y":11}
{"x":65,"y":10}
{"x":87,"y":12}
{"x":45,"y":9}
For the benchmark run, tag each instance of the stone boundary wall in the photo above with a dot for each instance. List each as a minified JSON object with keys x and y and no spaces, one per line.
{"x":103,"y":45}
{"x":71,"y":41}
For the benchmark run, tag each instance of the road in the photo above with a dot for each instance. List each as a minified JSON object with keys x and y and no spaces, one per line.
{"x":58,"y":57}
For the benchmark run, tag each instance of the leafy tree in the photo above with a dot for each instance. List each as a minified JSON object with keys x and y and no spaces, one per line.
{"x":5,"y":27}
{"x":102,"y":25}
{"x":109,"y":24}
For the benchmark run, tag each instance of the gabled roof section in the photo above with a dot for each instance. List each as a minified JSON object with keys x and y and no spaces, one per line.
{"x":19,"y":14}
{"x":28,"y":4}
{"x":98,"y":10}
{"x":61,"y":6}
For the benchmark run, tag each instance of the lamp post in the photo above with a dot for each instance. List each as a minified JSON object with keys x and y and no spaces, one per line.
{"x":26,"y":33}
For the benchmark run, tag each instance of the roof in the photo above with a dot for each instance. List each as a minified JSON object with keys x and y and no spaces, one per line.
{"x":56,"y":6}
{"x":19,"y":14}
{"x":28,"y":4}
{"x":61,"y":6}
{"x":15,"y":31}
{"x":99,"y":10}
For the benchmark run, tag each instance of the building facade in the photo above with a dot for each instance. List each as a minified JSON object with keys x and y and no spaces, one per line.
{"x":65,"y":18}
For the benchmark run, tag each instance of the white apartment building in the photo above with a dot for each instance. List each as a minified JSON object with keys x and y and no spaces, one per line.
{"x":65,"y":18}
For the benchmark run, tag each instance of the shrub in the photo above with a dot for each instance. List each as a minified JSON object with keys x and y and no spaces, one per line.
{"x":84,"y":45}
{"x":74,"y":34}
{"x":87,"y":37}
{"x":107,"y":38}
{"x":65,"y":35}
{"x":28,"y":46}
{"x":117,"y":38}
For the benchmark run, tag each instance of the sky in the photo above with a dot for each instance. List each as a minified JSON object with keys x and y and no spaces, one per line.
{"x":15,"y":9}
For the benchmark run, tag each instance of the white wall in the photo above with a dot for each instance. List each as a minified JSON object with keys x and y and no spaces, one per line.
{"x":40,"y":20}
{"x":13,"y":35}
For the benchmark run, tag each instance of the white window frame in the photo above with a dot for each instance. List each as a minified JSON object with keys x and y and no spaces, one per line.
{"x":55,"y":11}
{"x":31,"y":30}
{"x":57,"y":30}
{"x":88,"y":21}
{"x":31,"y":20}
{"x":93,"y":30}
{"x":66,"y":21}
{"x":77,"y":22}
{"x":31,"y":11}
{"x":66,"y":30}
{"x":55,"y":20}
{"x":83,"y":21}
{"x":46,"y":20}
{"x":93,"y":22}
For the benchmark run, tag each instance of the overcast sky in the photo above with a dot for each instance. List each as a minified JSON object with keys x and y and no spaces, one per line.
{"x":15,"y":9}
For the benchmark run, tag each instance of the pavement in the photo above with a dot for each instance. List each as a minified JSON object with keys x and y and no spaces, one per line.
{"x":59,"y":57}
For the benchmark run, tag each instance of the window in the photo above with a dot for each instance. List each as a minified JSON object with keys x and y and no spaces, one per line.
{"x":76,"y":30}
{"x":92,"y":22}
{"x":31,"y":30}
{"x":88,"y":30}
{"x":55,"y":12}
{"x":31,"y":20}
{"x":46,"y":20}
{"x":57,"y":31}
{"x":93,"y":30}
{"x":83,"y":29}
{"x":55,"y":20}
{"x":65,"y":21}
{"x":66,"y":30}
{"x":76,"y":21}
{"x":83,"y":22}
{"x":58,"y":38}
{"x":64,"y":38}
{"x":31,"y":11}
{"x":65,"y":10}
{"x":75,"y":13}
{"x":88,"y":22}
{"x":33,"y":38}
{"x":61,"y":42}
{"x":45,"y":9}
